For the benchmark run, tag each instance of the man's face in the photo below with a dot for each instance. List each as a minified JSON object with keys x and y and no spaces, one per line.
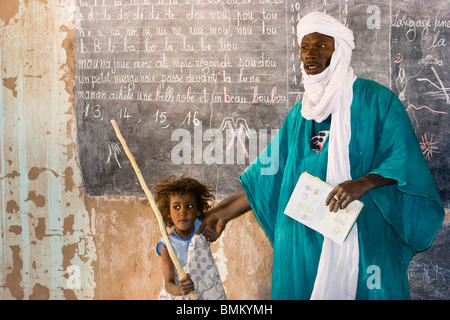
{"x":315,"y":52}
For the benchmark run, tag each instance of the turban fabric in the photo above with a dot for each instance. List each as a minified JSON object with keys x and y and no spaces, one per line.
{"x":330,"y":92}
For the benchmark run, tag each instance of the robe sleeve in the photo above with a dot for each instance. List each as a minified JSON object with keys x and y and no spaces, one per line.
{"x":262,"y":180}
{"x":412,"y":206}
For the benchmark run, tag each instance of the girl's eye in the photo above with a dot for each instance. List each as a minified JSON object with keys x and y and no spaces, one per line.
{"x":177,"y":207}
{"x":190,"y":206}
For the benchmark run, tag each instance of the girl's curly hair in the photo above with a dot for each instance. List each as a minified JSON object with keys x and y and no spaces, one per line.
{"x":183,"y":185}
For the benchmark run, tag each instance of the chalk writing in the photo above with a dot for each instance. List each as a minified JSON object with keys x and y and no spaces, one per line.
{"x":427,"y":272}
{"x":127,"y":52}
{"x":399,"y":58}
{"x":158,"y":66}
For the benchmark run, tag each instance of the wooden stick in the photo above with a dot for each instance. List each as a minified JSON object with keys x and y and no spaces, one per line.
{"x":156,"y":211}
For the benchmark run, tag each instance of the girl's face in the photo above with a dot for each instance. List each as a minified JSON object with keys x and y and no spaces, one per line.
{"x":183,"y":211}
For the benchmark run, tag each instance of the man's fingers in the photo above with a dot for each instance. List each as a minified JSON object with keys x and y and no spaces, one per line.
{"x":202,"y":226}
{"x":210,"y":236}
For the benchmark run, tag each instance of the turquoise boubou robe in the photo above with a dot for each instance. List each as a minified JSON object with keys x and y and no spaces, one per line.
{"x":396,"y":222}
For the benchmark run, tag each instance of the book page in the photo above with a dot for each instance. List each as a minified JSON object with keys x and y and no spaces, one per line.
{"x":307,"y":205}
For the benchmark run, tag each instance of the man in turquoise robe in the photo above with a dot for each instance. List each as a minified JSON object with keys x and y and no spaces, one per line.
{"x":399,"y":218}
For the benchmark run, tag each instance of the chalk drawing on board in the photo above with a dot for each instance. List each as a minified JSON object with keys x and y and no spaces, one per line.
{"x":429,"y":59}
{"x":442,"y":90}
{"x":401,"y":83}
{"x":428,"y":147}
{"x":242,"y":127}
{"x":411,"y":106}
{"x":113,"y":151}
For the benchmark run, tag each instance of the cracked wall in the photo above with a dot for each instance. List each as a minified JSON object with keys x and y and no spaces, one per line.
{"x":44,"y":225}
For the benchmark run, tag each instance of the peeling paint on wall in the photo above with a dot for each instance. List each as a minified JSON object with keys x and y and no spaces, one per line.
{"x":9,"y":11}
{"x":126,"y":232}
{"x":44,"y":225}
{"x":12,"y":207}
{"x":10,"y":83}
{"x":34,"y":173}
{"x":220,"y":258}
{"x":37,"y":199}
{"x":40,"y":292}
{"x":68,"y":179}
{"x":39,"y":230}
{"x":13,"y":279}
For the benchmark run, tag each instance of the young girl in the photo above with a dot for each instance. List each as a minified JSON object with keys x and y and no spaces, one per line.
{"x":183,"y":203}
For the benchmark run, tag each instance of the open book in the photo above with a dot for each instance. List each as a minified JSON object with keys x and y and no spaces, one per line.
{"x":307,"y":205}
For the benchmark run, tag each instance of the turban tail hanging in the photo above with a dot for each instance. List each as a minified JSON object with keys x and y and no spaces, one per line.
{"x":331,"y":92}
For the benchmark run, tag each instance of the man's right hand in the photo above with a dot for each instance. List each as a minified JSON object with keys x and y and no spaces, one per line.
{"x":212,"y":226}
{"x":215,"y":220}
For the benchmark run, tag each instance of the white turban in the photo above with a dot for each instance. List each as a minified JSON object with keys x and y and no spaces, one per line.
{"x":331,"y":92}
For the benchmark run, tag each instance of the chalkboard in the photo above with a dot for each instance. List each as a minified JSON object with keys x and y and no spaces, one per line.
{"x":429,"y":271}
{"x":420,"y":77}
{"x":198,"y":87}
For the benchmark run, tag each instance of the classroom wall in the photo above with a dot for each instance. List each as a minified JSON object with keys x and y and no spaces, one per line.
{"x":56,"y":242}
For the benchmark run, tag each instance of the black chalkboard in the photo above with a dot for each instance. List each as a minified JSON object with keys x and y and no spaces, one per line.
{"x":199,"y":86}
{"x":429,"y":271}
{"x":420,"y":77}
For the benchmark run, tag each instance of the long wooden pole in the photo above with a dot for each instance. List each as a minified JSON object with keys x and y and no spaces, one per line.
{"x":156,"y":211}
